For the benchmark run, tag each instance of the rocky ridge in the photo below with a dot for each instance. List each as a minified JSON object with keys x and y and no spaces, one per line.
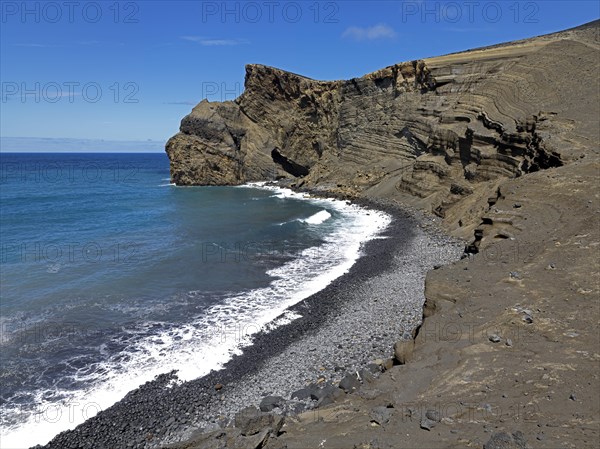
{"x":431,"y":131}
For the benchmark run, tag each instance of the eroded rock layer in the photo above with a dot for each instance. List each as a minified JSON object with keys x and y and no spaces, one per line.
{"x":430,"y":132}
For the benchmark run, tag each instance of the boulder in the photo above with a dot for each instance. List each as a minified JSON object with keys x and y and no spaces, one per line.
{"x":350,"y":383}
{"x":251,"y":421}
{"x":381,"y":415}
{"x":268,"y":403}
{"x":403,"y":351}
{"x":302,"y":394}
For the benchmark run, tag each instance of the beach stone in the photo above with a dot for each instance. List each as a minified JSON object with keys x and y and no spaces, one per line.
{"x":502,"y":440}
{"x":330,"y":395}
{"x":430,"y":419}
{"x":366,"y":376}
{"x":350,"y":383}
{"x":433,"y":415}
{"x":381,"y":414}
{"x":268,"y":403}
{"x":494,"y":338}
{"x":427,"y":424}
{"x":329,"y":391}
{"x":374,"y":368}
{"x":251,"y":421}
{"x":388,"y":364}
{"x":301,"y":394}
{"x":403,"y":351}
{"x":297,"y":408}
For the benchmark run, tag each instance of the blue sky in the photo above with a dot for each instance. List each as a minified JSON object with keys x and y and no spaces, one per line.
{"x":131,"y":70}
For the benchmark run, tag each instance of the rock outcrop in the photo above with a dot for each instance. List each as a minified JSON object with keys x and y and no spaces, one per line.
{"x":431,"y":132}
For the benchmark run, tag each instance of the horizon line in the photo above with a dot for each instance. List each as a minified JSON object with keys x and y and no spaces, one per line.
{"x":72,"y":145}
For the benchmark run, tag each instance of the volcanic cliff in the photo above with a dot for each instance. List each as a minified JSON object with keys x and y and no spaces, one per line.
{"x":431,"y":132}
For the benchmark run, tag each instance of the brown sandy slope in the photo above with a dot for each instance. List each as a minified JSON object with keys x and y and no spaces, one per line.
{"x":478,"y":386}
{"x":503,"y":144}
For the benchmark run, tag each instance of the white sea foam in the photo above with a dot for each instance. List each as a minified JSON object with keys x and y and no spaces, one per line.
{"x":207,"y":343}
{"x":317,"y":218}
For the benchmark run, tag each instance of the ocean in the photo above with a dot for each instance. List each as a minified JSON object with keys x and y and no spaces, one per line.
{"x":110,"y":276}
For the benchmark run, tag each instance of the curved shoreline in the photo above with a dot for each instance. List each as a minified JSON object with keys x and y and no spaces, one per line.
{"x":160,"y":411}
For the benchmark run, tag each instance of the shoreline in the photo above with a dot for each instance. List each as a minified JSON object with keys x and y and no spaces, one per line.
{"x":162,"y":412}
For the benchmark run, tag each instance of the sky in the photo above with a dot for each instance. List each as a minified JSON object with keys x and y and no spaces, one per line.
{"x":130,"y":71}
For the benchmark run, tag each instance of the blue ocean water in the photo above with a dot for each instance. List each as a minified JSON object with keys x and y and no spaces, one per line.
{"x":110,"y":275}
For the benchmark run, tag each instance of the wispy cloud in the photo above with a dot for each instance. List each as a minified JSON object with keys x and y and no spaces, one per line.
{"x":89,"y":43}
{"x":97,"y":43}
{"x":380,"y":31}
{"x":214,"y":42}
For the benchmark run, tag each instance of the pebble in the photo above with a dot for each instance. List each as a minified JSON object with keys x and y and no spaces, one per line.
{"x":494,"y":338}
{"x":427,"y":424}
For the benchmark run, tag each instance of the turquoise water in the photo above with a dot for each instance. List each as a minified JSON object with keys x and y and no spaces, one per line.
{"x":110,"y":275}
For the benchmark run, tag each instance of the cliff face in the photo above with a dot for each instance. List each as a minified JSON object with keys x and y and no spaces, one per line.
{"x":437,"y":133}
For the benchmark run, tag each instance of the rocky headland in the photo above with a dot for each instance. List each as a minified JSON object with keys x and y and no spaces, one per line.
{"x":501,"y":144}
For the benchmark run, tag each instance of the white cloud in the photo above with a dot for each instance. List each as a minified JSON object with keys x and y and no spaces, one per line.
{"x":380,"y":31}
{"x":214,"y":42}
